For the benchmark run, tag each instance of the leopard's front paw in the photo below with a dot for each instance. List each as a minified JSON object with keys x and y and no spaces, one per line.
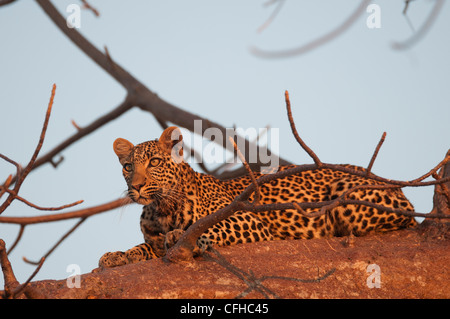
{"x":171,"y":238}
{"x":114,"y":259}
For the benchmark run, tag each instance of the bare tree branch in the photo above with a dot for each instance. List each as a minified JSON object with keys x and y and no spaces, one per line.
{"x":317,"y":42}
{"x":5,"y":186}
{"x":19,"y":236}
{"x":406,"y":6}
{"x":5,"y":2}
{"x":145,"y":99}
{"x":12,"y":287}
{"x":375,"y":153}
{"x":273,"y":15}
{"x":17,"y":165}
{"x":87,"y":6}
{"x":126,"y":105}
{"x":81,"y":221}
{"x":250,"y":172}
{"x":86,"y":212}
{"x":22,"y":174}
{"x":434,"y":170}
{"x":254,"y":283}
{"x":295,"y":133}
{"x":417,"y":36}
{"x":36,"y":206}
{"x":83,"y":214}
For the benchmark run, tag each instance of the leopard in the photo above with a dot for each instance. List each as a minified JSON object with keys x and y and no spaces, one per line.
{"x":175,"y":196}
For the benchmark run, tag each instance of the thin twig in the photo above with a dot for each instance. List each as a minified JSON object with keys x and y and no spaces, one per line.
{"x":272,"y":16}
{"x":54,"y":163}
{"x":19,"y":236}
{"x":17,"y":165}
{"x":114,"y":66}
{"x":86,"y":212}
{"x":375,"y":153}
{"x":295,"y":133}
{"x":126,"y":105}
{"x":226,"y":167}
{"x":255,"y":283}
{"x":249,"y":279}
{"x":426,"y":26}
{"x":5,"y":186}
{"x":250,"y":172}
{"x":406,"y":6}
{"x":57,"y":243}
{"x":328,"y":205}
{"x":22,"y":287}
{"x":23,"y":174}
{"x":23,"y":200}
{"x":318,"y":41}
{"x":433,"y":170}
{"x":28,"y":168}
{"x":330,"y":244}
{"x":75,"y":125}
{"x":299,"y":209}
{"x":86,"y":5}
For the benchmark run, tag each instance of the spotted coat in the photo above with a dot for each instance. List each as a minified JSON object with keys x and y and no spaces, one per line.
{"x":175,"y":196}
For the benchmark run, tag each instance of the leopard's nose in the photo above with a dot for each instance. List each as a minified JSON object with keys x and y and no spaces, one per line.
{"x":137,"y":186}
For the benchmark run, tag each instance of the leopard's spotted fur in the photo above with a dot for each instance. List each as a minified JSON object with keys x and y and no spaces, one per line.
{"x":175,"y":196}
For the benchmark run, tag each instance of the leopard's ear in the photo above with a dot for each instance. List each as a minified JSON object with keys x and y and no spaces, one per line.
{"x":122,"y":148}
{"x":171,"y":142}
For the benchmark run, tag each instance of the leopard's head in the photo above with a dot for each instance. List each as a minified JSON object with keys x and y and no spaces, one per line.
{"x":153,"y":169}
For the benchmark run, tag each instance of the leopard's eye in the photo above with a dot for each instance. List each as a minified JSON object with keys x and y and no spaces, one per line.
{"x":127,"y":167}
{"x":155,"y":162}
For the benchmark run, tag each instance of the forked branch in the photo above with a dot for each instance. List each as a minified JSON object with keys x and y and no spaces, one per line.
{"x":23,"y":173}
{"x":12,"y":287}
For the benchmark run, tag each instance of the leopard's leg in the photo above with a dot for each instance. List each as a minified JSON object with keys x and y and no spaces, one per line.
{"x":242,"y":227}
{"x":119,"y":258}
{"x":171,"y":238}
{"x":204,"y":242}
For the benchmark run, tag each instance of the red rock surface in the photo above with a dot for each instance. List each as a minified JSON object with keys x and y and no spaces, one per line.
{"x":411,"y":265}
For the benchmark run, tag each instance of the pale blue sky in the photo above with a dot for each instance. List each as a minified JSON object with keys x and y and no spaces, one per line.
{"x":195,"y":54}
